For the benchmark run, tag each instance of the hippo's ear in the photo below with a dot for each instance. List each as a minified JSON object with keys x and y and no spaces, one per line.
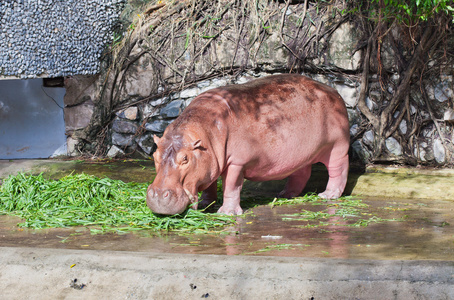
{"x":156,"y":139}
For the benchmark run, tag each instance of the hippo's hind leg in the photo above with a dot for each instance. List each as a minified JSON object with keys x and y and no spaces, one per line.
{"x":209,"y":196}
{"x":296,"y":182}
{"x":337,"y":166}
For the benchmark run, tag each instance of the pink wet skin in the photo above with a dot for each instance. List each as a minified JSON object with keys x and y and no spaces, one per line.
{"x":267,"y":129}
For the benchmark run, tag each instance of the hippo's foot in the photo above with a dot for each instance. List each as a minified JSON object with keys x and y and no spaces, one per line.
{"x":287,"y":194}
{"x":232,"y":211}
{"x":331,"y":194}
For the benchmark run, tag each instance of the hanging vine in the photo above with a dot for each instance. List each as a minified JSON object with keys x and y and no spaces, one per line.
{"x":418,"y":33}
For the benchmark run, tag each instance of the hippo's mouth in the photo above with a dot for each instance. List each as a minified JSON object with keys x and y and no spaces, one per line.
{"x":169,"y":201}
{"x":193,"y":199}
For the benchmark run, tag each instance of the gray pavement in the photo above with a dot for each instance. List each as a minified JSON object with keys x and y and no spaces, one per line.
{"x":27,"y":273}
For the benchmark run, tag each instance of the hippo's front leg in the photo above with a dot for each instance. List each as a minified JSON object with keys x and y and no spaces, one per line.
{"x":232,"y":180}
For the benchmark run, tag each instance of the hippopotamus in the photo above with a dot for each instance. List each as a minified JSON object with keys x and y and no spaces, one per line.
{"x":270,"y":128}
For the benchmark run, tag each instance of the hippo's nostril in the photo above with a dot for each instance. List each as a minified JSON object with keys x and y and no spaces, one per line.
{"x":151,"y":192}
{"x":166,"y":194}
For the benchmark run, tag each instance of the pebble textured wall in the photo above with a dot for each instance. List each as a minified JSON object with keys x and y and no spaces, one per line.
{"x":52,"y":38}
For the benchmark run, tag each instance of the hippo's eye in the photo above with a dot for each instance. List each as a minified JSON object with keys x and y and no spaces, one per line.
{"x":184,"y":160}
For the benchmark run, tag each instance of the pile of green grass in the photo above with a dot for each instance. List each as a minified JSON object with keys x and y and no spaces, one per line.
{"x":103,"y":204}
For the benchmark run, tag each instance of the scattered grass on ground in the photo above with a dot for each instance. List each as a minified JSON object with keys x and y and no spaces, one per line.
{"x":345,"y":211}
{"x":102,"y":204}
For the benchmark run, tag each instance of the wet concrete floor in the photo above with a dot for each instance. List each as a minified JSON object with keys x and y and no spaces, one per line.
{"x":404,"y":229}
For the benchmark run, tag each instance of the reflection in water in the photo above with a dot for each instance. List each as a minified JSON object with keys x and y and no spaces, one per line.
{"x":338,"y":237}
{"x":231,"y":245}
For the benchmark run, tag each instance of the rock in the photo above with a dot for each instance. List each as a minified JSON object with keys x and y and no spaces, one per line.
{"x":242,"y":80}
{"x":349,"y":94}
{"x":439,"y":151}
{"x":361,"y":151}
{"x":341,"y":47}
{"x":187,"y":102}
{"x":428,"y":132}
{"x":422,"y":153}
{"x":172,"y":110}
{"x":403,"y":126}
{"x":205,"y":86}
{"x":124,"y":126}
{"x":131,"y":113}
{"x":370,"y":104}
{"x":78,"y":117}
{"x":270,"y":52}
{"x":61,"y":151}
{"x":217,"y":82}
{"x":150,"y":111}
{"x":448,"y":115}
{"x":146,"y":143}
{"x":353,"y":116}
{"x":189,"y":93}
{"x":123,"y":140}
{"x":139,"y":81}
{"x":368,"y":138}
{"x":442,"y":91}
{"x":157,"y":126}
{"x":71,"y":145}
{"x":388,"y":56}
{"x":320,"y":78}
{"x":114,"y":151}
{"x":354,"y":130}
{"x":158,"y":102}
{"x":393,"y":146}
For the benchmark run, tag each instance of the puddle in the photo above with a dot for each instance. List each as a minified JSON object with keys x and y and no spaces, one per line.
{"x":425,"y":230}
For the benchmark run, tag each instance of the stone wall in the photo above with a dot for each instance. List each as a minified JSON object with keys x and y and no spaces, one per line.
{"x":148,"y":106}
{"x":52,"y":38}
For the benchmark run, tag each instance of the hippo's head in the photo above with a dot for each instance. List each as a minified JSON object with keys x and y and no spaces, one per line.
{"x":184,"y":166}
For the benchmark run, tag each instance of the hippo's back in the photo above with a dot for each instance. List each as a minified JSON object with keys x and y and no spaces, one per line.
{"x":279,"y":105}
{"x":278,"y":118}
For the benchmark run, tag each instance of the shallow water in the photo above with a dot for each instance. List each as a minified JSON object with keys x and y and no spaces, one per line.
{"x":425,"y":232}
{"x":424,"y":229}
